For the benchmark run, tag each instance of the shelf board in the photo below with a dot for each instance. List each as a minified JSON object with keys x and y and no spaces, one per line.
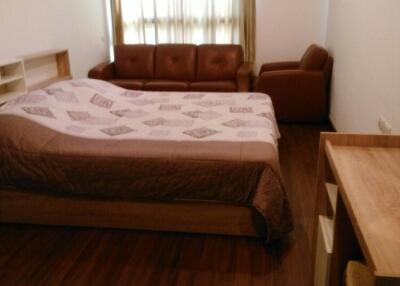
{"x":8,"y":62}
{"x":43,"y":54}
{"x":47,"y":82}
{"x":9,"y":79}
{"x":326,"y":224}
{"x":332,"y":191}
{"x":4,"y":97}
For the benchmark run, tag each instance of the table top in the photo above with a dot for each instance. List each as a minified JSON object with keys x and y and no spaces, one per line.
{"x":369,"y":183}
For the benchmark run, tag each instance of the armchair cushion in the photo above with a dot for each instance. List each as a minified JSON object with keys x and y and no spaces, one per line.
{"x":218,"y":62}
{"x":134,"y":61}
{"x":314,"y":58}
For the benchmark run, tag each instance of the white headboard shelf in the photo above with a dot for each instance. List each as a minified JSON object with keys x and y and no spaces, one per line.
{"x":46,"y":67}
{"x":12,"y":79}
{"x":31,"y":72}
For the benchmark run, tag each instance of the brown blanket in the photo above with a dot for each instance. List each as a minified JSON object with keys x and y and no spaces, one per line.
{"x":34,"y":157}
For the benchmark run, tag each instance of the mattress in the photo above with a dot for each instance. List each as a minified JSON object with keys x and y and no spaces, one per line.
{"x":91,"y":138}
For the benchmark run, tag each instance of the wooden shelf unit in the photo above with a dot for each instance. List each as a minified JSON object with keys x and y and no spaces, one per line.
{"x":61,"y":60}
{"x":12,"y":79}
{"x":16,"y":74}
{"x":358,"y":207}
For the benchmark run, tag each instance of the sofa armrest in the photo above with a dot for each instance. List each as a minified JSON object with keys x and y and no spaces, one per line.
{"x":104,"y":71}
{"x":244,"y":76}
{"x":279,"y":66}
{"x":297,"y":95}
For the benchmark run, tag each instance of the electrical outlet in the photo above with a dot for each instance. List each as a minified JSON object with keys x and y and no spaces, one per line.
{"x":384,"y":125}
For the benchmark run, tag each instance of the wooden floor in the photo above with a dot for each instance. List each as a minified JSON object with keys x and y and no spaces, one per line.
{"x":37,"y":255}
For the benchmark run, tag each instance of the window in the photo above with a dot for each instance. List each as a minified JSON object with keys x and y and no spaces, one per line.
{"x":177,"y":21}
{"x":185,"y":21}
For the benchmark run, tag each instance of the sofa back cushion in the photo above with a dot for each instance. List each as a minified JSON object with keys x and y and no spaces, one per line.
{"x":314,"y":58}
{"x":218,"y":62}
{"x":134,"y":61}
{"x":176,"y":62}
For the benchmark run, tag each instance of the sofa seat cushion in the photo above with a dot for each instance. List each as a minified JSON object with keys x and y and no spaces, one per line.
{"x":166,"y":85}
{"x":223,"y":86}
{"x":134,"y":61}
{"x":129,"y":83}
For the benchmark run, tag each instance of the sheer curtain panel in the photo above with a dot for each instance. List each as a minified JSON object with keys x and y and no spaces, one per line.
{"x":185,"y":21}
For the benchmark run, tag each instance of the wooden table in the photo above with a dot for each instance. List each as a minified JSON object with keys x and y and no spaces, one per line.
{"x":366,"y":212}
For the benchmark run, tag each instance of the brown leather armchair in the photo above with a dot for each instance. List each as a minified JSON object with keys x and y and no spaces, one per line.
{"x":177,"y":67}
{"x":299,"y":90}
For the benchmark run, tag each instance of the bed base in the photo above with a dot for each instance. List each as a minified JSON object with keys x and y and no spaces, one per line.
{"x":194,"y":217}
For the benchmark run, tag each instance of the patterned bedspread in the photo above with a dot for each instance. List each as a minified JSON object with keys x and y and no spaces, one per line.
{"x":91,"y":138}
{"x":96,"y":109}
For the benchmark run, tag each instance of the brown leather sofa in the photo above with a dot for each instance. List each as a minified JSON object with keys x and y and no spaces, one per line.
{"x":177,"y":67}
{"x":299,"y":90}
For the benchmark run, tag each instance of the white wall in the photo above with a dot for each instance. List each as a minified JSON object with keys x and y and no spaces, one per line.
{"x":28,"y":26}
{"x":364,"y":38}
{"x":285,"y":28}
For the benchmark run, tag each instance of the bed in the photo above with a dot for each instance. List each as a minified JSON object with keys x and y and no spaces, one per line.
{"x":88,"y":153}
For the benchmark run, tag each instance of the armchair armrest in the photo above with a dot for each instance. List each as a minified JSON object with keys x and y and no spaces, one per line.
{"x":244,"y":76}
{"x":279,"y":66}
{"x":104,"y":71}
{"x":291,"y":82}
{"x":297,"y":95}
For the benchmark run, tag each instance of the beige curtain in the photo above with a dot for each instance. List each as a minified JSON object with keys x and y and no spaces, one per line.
{"x":248,"y":32}
{"x":186,"y":21}
{"x":117,"y":21}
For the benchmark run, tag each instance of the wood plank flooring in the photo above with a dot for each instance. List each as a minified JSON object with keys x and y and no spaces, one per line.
{"x":39,"y":255}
